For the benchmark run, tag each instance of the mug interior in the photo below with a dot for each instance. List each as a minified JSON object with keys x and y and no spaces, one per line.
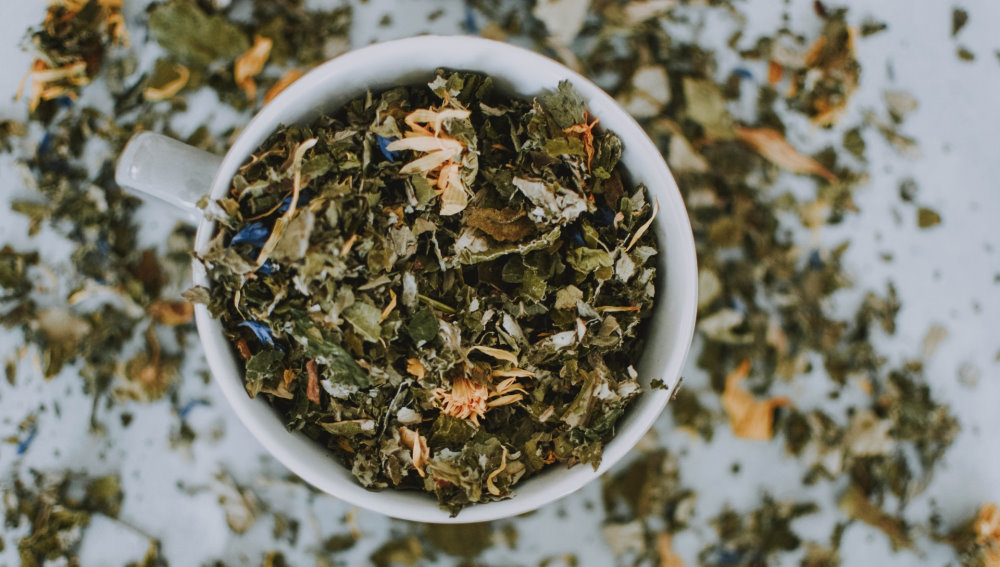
{"x":524,"y":73}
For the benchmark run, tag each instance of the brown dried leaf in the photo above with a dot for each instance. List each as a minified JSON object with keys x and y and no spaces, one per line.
{"x":773,"y":147}
{"x":171,"y":313}
{"x":749,"y":417}
{"x":503,"y":225}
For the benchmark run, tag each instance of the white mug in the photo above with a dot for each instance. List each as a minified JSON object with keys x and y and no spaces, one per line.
{"x":180,"y":175}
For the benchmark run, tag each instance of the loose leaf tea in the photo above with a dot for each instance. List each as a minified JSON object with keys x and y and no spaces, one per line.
{"x":732,"y":123}
{"x":443,"y":284}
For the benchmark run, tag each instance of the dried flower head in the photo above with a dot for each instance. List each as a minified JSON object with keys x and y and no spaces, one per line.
{"x":441,"y":164}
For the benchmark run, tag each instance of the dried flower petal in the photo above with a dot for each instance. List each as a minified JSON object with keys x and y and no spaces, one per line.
{"x":491,"y":487}
{"x":668,"y":558}
{"x":454,"y":195}
{"x":773,"y":147}
{"x":250,"y":64}
{"x":419,"y":451}
{"x":497,"y":353}
{"x":749,"y":417}
{"x":283,"y":83}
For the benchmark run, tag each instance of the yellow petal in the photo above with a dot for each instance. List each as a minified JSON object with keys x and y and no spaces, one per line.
{"x":427,"y":163}
{"x":416,"y":368}
{"x":434,"y":117}
{"x":513,"y":373}
{"x":496,"y":353}
{"x":426,"y":144}
{"x":505,"y":400}
{"x":749,"y":418}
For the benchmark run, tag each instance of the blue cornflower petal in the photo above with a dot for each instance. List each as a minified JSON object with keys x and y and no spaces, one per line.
{"x":738,"y":305}
{"x":815,"y":262}
{"x":470,"y":21}
{"x":304,"y":198}
{"x":267,"y":268}
{"x":45,"y":146}
{"x":577,"y":236}
{"x":255,"y":234}
{"x":743,"y":73}
{"x":604,"y":216}
{"x":64,"y":102}
{"x":191,"y":405}
{"x":261,"y":331}
{"x":383,"y":144}
{"x":22,"y":446}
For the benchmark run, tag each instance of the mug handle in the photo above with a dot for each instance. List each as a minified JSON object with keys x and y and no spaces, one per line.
{"x":173,"y":172}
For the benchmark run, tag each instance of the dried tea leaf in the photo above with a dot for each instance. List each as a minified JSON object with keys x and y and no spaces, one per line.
{"x":707,"y":107}
{"x":856,"y":505}
{"x":562,"y":18}
{"x":194,"y":37}
{"x":927,"y":218}
{"x":503,"y":225}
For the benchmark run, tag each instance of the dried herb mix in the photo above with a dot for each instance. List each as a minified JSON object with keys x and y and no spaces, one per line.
{"x":765,"y":295}
{"x":443,"y":284}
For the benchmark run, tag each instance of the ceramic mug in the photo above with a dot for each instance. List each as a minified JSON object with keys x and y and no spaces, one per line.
{"x":157,"y":166}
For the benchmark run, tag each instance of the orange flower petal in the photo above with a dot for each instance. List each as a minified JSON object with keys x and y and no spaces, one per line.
{"x":283,"y":83}
{"x":250,"y":64}
{"x":749,"y":417}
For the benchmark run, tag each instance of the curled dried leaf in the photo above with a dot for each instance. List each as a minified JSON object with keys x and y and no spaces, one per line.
{"x":171,"y":313}
{"x":170,"y":88}
{"x":490,"y":485}
{"x":503,"y":225}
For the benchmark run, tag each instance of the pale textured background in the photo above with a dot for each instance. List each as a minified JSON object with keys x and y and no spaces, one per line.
{"x":948,"y":275}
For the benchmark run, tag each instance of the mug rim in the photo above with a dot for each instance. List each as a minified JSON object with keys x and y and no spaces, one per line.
{"x":260,"y":418}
